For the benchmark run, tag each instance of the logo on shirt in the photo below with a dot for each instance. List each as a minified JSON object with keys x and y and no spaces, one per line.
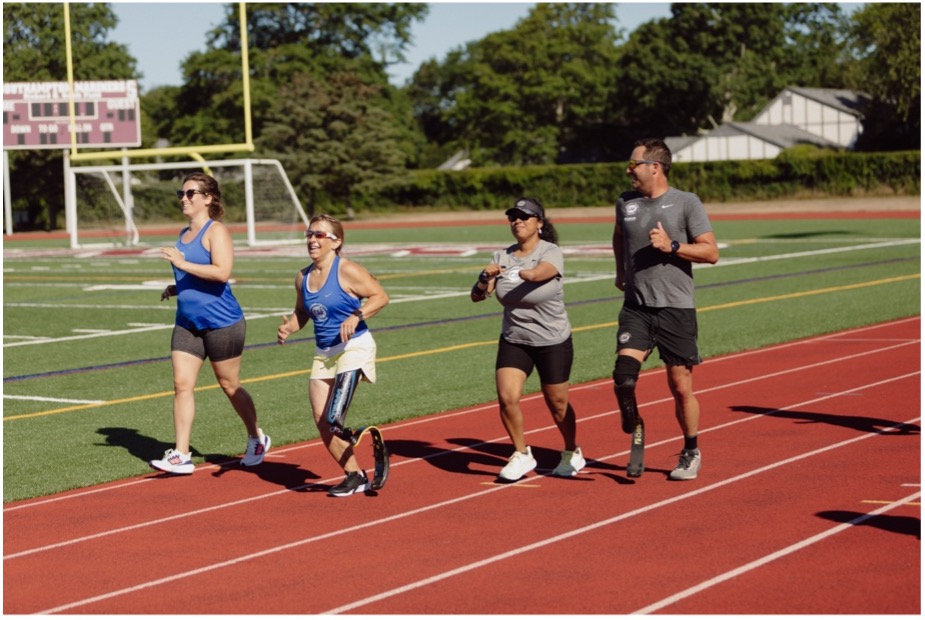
{"x":513,"y":275}
{"x":319,"y":313}
{"x":666,"y":206}
{"x":631,"y":208}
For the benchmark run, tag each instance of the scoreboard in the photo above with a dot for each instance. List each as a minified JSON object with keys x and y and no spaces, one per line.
{"x":36,"y":115}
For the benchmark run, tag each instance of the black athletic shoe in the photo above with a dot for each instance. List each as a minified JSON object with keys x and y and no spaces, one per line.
{"x":355,"y":482}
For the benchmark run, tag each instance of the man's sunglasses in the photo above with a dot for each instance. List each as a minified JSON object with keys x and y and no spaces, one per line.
{"x":638,"y":162}
{"x":319,"y":234}
{"x":190,"y":193}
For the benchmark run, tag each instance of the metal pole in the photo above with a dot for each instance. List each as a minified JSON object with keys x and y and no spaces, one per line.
{"x":7,"y":194}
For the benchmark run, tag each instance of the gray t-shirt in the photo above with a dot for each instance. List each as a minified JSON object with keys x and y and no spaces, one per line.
{"x":653,"y":278}
{"x":534,"y":312}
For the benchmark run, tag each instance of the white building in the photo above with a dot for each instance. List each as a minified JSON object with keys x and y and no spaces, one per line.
{"x":823,"y":117}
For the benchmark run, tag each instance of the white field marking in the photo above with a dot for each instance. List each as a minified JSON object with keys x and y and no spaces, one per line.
{"x":92,"y":331}
{"x":474,"y":565}
{"x":427,"y":419}
{"x":443,"y":453}
{"x":54,"y":400}
{"x":119,"y":332}
{"x":772,"y":557}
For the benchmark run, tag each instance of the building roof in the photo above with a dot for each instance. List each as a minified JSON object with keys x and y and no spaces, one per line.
{"x":783,"y":136}
{"x":848,"y":101}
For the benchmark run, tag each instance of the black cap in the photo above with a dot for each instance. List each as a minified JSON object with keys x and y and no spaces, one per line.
{"x":529,"y":207}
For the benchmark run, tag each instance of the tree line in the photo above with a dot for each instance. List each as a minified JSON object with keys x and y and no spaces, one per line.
{"x":564,"y":85}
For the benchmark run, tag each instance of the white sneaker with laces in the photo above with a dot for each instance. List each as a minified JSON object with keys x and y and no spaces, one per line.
{"x":570,"y":464}
{"x":257,"y":448}
{"x":688,"y":466}
{"x":174,"y":462}
{"x":518,"y":465}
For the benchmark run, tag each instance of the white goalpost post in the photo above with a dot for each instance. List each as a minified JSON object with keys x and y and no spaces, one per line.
{"x":100,"y":214}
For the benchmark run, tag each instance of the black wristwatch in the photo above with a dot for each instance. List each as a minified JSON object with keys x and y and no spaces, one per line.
{"x":675,"y":246}
{"x":358,"y":313}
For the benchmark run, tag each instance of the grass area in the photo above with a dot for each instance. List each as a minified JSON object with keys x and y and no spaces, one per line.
{"x":87,"y":378}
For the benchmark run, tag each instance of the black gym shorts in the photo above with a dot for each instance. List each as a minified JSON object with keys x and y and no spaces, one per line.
{"x":218,"y":345}
{"x":553,"y":362}
{"x":672,"y":330}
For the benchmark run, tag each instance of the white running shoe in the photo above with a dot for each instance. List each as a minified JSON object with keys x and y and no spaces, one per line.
{"x":174,"y":462}
{"x":570,"y":464}
{"x":257,"y":448}
{"x":688,"y":466}
{"x":518,"y":465}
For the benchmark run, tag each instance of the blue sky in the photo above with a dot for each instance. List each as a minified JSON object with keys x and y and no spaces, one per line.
{"x":160,"y":35}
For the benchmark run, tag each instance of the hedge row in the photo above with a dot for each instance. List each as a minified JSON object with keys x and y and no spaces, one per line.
{"x":788,"y":176}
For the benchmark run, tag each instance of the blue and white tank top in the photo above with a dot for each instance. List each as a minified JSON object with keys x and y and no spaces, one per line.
{"x":203,"y":304}
{"x":329,"y":307}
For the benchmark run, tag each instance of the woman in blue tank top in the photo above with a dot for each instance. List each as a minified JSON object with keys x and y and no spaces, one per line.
{"x":209,"y":322}
{"x":330,"y":293}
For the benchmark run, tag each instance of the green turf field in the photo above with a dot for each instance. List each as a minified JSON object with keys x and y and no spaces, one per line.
{"x":87,"y":377}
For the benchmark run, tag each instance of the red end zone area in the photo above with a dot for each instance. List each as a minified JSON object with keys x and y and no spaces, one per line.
{"x":808,"y":502}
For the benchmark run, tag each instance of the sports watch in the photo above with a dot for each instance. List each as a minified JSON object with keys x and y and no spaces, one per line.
{"x":675,"y":246}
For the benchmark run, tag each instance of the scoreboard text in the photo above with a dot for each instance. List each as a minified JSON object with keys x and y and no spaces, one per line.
{"x":36,"y":115}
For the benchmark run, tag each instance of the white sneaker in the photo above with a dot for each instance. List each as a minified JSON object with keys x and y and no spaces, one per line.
{"x":570,"y":464}
{"x":257,"y":448}
{"x":174,"y":462}
{"x":518,"y":465}
{"x":688,"y":466}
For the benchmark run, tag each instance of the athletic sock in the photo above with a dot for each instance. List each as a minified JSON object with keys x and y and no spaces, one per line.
{"x":690,"y":443}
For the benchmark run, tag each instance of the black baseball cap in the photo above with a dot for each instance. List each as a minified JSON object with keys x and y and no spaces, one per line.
{"x":530,"y":207}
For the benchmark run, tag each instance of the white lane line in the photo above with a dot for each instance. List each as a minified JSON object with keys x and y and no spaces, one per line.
{"x":709,"y":583}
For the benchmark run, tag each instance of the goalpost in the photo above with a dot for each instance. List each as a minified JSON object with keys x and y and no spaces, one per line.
{"x":100,"y":212}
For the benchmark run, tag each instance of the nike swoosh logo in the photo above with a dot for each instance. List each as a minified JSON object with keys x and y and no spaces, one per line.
{"x":666,"y":206}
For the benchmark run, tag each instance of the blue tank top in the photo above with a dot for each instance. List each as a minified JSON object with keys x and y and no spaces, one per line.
{"x":203,"y":304}
{"x":330,"y":307}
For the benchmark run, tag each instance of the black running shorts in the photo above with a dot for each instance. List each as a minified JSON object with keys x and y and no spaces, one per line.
{"x":553,"y":362}
{"x":672,"y":330}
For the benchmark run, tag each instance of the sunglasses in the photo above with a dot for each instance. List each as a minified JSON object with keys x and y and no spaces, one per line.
{"x":638,"y":162}
{"x":190,"y":193}
{"x":319,"y":234}
{"x":523,"y":217}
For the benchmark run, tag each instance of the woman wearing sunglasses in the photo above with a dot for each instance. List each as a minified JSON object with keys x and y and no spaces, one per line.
{"x":535,"y":333}
{"x":331,"y":292}
{"x":209,"y":322}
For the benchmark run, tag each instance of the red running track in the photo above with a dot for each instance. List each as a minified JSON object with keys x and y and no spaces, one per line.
{"x":808,"y":502}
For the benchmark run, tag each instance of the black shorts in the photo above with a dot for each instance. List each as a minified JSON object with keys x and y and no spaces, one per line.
{"x":672,"y":330}
{"x":553,"y":362}
{"x":218,"y":345}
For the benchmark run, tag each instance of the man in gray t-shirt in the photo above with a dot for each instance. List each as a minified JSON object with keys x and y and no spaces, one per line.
{"x":659,"y":232}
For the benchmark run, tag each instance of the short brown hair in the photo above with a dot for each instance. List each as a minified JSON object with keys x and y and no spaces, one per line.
{"x":656,"y":150}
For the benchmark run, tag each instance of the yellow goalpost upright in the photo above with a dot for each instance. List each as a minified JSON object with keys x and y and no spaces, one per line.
{"x":293,"y":218}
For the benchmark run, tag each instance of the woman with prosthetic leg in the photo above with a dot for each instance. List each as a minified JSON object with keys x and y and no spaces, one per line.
{"x":330,"y":293}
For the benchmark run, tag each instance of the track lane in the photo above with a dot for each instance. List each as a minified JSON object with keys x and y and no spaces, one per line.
{"x":478,"y":462}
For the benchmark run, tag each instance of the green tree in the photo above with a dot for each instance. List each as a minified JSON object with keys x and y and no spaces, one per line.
{"x":284,"y":40}
{"x":534,"y":94}
{"x":333,"y":137}
{"x":889,"y":69}
{"x":34,"y":51}
{"x":711,"y":63}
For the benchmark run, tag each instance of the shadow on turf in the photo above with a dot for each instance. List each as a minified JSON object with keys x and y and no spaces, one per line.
{"x":859,"y":423}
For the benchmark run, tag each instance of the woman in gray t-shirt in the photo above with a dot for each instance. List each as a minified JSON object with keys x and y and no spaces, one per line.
{"x":535,"y":333}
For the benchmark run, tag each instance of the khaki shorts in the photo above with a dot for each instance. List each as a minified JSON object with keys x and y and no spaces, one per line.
{"x":357,"y":353}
